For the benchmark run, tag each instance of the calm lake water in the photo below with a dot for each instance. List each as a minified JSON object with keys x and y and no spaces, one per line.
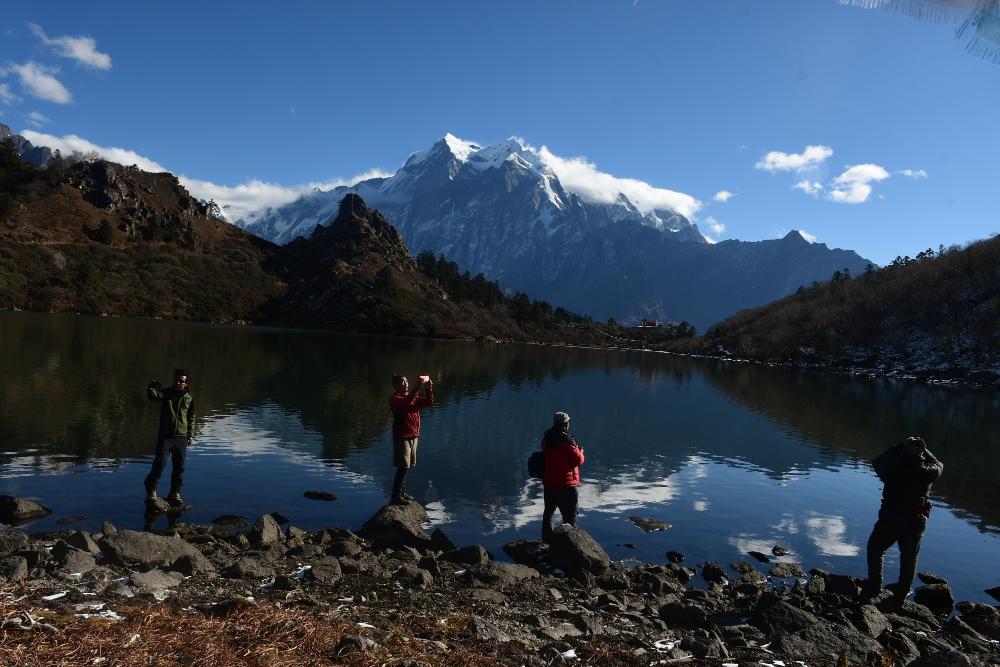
{"x":735,"y":457}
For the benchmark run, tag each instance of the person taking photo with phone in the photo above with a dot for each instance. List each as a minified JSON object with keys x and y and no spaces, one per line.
{"x":406,"y":406}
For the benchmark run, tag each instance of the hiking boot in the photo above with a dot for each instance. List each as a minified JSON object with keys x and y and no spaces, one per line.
{"x":152,"y":498}
{"x":175,"y":500}
{"x":406,"y":496}
{"x":398,"y":500}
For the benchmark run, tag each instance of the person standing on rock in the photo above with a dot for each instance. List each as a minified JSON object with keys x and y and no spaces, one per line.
{"x":406,"y":406}
{"x":563,"y":458}
{"x":907,"y":471}
{"x":175,"y":435}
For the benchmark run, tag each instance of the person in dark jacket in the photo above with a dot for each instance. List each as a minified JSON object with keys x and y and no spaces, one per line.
{"x":175,"y":435}
{"x":907,"y":471}
{"x":406,"y":406}
{"x":563,"y":458}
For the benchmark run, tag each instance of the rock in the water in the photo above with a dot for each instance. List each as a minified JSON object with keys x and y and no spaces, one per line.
{"x":773,"y":616}
{"x":574,"y":551}
{"x":13,"y":568}
{"x":993,"y":592}
{"x":473,"y":554}
{"x":929,"y":578}
{"x":265,"y":531}
{"x":785,"y":570}
{"x":675,"y":556}
{"x":870,"y":620}
{"x":396,"y":526}
{"x":821,"y":639}
{"x":761,"y":558}
{"x":279,"y":518}
{"x":12,"y":541}
{"x":248,"y":568}
{"x":70,"y":520}
{"x":714,"y":573}
{"x":15,"y":511}
{"x":231,"y":521}
{"x":649,"y":525}
{"x":743,"y":567}
{"x":320,"y":495}
{"x":934,"y":596}
{"x":779,"y":550}
{"x":128,"y":547}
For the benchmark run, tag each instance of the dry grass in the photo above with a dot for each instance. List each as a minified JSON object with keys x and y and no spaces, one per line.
{"x":258,"y":634}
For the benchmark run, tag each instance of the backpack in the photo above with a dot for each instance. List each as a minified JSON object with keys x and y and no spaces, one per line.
{"x":536,"y":465}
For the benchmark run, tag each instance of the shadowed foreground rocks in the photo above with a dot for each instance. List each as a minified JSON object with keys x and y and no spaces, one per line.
{"x":395,"y":582}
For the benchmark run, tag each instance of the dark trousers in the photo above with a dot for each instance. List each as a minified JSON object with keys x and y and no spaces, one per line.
{"x":907,"y":530}
{"x":566,"y":500}
{"x":176,"y":449}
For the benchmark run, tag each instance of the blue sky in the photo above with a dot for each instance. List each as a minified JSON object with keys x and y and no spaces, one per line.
{"x":686,"y":95}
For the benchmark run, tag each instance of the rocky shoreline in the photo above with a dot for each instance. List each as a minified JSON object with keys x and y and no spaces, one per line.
{"x":398,"y":595}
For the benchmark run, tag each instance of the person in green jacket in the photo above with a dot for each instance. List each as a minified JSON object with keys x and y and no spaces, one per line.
{"x":174,"y":437}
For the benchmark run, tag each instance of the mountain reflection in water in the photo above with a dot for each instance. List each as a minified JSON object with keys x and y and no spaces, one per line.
{"x":735,"y":457}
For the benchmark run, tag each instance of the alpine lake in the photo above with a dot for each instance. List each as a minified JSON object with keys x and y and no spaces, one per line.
{"x":736,"y":457}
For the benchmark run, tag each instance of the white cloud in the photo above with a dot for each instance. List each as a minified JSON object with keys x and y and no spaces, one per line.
{"x":809,"y":187}
{"x":913,"y":173}
{"x":714,"y":226}
{"x":6,"y":96}
{"x":827,"y":534}
{"x":70,"y":143}
{"x":37,"y":119}
{"x":854,"y":185}
{"x":236,"y":200}
{"x":39,"y":82}
{"x":582,"y":177}
{"x":810,"y":158}
{"x":722,"y":196}
{"x":79,"y":48}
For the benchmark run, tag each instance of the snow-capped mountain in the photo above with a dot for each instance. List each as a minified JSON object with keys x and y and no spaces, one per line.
{"x":501,"y":210}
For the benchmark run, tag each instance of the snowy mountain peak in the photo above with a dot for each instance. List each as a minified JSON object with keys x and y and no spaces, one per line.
{"x":460,"y":148}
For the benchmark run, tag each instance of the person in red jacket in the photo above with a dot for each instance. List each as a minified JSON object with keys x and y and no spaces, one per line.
{"x":563,"y":458}
{"x":405,"y":406}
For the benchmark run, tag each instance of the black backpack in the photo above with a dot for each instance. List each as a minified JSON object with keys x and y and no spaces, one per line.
{"x":536,"y":465}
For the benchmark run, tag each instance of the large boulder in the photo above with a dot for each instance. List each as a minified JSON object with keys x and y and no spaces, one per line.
{"x":983,"y":617}
{"x":870,"y":620}
{"x":397,"y":526}
{"x":265,"y":531}
{"x":11,"y":542}
{"x":575,"y":552}
{"x":473,"y":554}
{"x":935,"y":596}
{"x":773,"y":616}
{"x":500,"y":575}
{"x":13,"y":568}
{"x":824,"y":641}
{"x":15,"y":511}
{"x":248,"y":568}
{"x":128,"y":547}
